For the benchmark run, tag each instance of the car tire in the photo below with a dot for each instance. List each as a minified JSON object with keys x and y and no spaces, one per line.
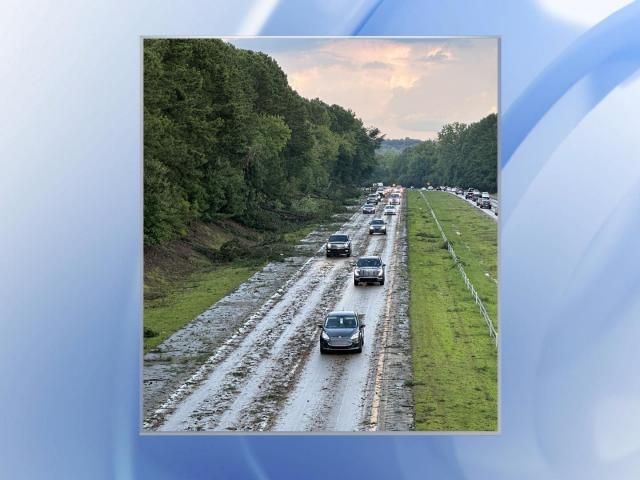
{"x":349,"y":253}
{"x":382,"y":282}
{"x":322,"y":351}
{"x":356,"y":283}
{"x":359,"y":349}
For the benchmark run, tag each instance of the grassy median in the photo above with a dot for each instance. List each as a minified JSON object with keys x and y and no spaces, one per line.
{"x":454,"y":358}
{"x":474,"y":237}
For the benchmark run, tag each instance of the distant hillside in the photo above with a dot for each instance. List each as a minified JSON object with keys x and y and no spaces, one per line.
{"x":397,"y":144}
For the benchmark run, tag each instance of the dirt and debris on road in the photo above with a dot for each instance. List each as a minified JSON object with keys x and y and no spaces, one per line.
{"x":251,"y":362}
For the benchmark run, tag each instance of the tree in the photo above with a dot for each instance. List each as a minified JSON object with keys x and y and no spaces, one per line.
{"x":463,"y":155}
{"x":226,"y":136}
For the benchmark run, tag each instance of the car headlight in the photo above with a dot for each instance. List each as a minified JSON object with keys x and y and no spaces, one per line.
{"x":380,"y":271}
{"x":356,"y":272}
{"x":325,"y":336}
{"x":383,"y":227}
{"x":355,"y":336}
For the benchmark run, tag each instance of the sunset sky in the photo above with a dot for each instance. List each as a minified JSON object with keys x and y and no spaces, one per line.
{"x":405,"y":87}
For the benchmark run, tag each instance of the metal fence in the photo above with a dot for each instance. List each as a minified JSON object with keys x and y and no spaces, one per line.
{"x":492,"y":331}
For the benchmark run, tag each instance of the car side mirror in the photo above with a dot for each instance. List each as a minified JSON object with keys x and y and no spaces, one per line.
{"x":384,"y":264}
{"x":362,"y":325}
{"x":319,"y":325}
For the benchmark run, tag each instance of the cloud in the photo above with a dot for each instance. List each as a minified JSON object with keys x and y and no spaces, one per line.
{"x":405,"y":87}
{"x":437,"y":55}
{"x":419,"y":122}
{"x":375,"y":66}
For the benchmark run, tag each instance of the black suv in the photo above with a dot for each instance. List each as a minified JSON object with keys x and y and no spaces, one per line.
{"x":339,"y":244}
{"x":368,"y":270}
{"x":342,"y":330}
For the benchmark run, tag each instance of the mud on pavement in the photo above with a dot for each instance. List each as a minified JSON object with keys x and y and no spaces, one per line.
{"x":392,"y":408}
{"x":183,"y":354}
{"x":234,"y":366}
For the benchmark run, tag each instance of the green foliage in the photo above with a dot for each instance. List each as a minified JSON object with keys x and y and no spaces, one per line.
{"x":463,"y":155}
{"x":225,"y":136}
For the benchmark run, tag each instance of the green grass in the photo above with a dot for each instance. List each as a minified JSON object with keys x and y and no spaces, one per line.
{"x":474,"y":237}
{"x":189,"y":298}
{"x":454,"y":358}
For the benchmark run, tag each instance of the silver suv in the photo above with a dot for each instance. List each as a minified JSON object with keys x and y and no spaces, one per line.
{"x":368,"y":270}
{"x":338,"y":244}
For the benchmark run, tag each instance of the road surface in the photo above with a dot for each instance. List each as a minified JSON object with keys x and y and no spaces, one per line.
{"x":269,"y":375}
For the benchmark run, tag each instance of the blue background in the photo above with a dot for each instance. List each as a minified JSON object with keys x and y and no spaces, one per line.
{"x":70,"y":261}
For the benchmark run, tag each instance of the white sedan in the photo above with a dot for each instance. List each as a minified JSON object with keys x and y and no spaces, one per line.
{"x":390,"y":210}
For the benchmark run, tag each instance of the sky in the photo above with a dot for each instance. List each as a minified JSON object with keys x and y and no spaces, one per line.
{"x":405,"y":87}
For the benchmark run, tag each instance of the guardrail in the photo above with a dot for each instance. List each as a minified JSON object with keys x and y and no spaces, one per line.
{"x":492,"y":331}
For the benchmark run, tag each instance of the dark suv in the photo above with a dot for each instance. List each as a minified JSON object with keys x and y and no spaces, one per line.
{"x":368,"y":270}
{"x":339,"y":244}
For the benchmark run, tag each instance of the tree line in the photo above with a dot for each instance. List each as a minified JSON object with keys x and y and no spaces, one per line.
{"x":464,"y":155}
{"x":397,"y":144}
{"x":225,"y":136}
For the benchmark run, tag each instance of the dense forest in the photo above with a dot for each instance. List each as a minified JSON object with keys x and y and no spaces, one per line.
{"x":225,"y":136}
{"x":462,"y":155}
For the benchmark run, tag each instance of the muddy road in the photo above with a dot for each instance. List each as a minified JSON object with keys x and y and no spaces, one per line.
{"x":264,"y":371}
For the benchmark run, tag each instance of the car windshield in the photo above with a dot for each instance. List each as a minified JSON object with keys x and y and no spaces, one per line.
{"x":369,"y":262}
{"x":377,"y":222}
{"x":346,"y":321}
{"x":338,"y":238}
